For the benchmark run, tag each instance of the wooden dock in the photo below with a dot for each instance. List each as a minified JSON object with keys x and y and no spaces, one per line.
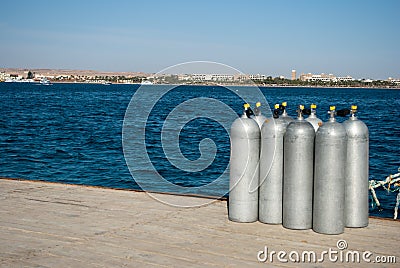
{"x":56,"y":225}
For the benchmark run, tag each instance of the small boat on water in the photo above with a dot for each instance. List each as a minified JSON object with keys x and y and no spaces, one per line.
{"x":45,"y":82}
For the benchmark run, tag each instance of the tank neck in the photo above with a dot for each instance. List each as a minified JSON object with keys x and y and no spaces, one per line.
{"x":300,"y":113}
{"x":244,"y":114}
{"x":332,"y":117}
{"x":257,"y":111}
{"x":300,"y":116}
{"x":353,"y":115}
{"x":312,"y":115}
{"x":248,"y":112}
{"x":313,"y":112}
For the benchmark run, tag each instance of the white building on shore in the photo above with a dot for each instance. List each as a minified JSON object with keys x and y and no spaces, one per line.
{"x":257,"y":76}
{"x":4,"y":76}
{"x":212,"y":77}
{"x":394,"y":80}
{"x":345,"y":78}
{"x":324,"y":78}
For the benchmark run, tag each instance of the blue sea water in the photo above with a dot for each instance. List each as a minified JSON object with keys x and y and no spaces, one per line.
{"x":72,"y":133}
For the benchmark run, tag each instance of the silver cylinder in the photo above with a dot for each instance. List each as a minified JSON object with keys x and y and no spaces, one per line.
{"x":260,"y":119}
{"x":244,"y":170}
{"x":313,"y":119}
{"x":356,"y":179}
{"x":285,"y":115}
{"x":298,"y":175}
{"x":287,"y":118}
{"x":271,"y":171}
{"x":329,"y":177}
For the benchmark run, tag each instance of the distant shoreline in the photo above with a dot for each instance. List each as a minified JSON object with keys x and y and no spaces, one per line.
{"x":221,"y":85}
{"x":101,"y":77}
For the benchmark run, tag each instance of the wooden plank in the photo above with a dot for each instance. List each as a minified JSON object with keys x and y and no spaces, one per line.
{"x":58,"y":225}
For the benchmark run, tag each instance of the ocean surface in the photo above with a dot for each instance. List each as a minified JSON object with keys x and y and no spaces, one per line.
{"x":72,"y":133}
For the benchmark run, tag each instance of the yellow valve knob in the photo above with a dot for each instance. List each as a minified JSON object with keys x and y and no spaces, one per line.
{"x":246,"y":105}
{"x":258,"y":104}
{"x":284,"y":104}
{"x":277,"y":106}
{"x":332,"y":108}
{"x":313,"y":106}
{"x":354,"y":107}
{"x":301,"y":107}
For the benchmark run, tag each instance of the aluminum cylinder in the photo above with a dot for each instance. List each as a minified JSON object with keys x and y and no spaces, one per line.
{"x":298,"y":175}
{"x":285,"y":115}
{"x":244,"y":170}
{"x":329,"y":178}
{"x":271,"y":171}
{"x":356,"y":179}
{"x":260,"y":119}
{"x":288,"y":119}
{"x":314,"y":120}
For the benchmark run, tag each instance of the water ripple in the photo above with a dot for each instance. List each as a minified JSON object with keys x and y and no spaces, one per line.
{"x":72,"y":132}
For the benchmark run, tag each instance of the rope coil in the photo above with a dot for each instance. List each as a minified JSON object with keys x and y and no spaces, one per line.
{"x":393,"y":185}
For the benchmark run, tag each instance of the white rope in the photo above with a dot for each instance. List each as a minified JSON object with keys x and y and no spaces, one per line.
{"x":375,"y":197}
{"x":390,"y":180}
{"x":375,"y":184}
{"x":396,"y":208}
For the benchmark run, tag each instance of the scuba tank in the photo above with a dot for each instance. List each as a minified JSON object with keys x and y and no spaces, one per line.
{"x":244,"y":168}
{"x":298,"y":173}
{"x":285,"y":115}
{"x":356,"y":179}
{"x":313,"y":119}
{"x":329,"y":176}
{"x":260,"y":119}
{"x":271,"y":169}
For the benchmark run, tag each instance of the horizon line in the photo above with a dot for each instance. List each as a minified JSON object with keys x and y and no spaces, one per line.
{"x":153,"y":73}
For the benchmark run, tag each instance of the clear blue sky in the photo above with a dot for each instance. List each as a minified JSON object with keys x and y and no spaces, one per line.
{"x":356,"y":37}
